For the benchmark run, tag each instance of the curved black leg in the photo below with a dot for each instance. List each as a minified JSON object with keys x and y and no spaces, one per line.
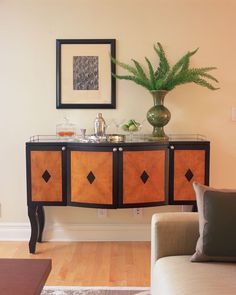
{"x":41,"y":222}
{"x":32,"y":213}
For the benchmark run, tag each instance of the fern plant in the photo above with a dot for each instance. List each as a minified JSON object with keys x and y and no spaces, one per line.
{"x":165,"y":77}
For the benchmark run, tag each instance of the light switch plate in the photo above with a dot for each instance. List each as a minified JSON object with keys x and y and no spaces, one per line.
{"x":233,"y":112}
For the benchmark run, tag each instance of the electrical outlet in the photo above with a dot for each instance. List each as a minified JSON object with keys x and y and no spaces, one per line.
{"x":138,"y":212}
{"x":102,"y":213}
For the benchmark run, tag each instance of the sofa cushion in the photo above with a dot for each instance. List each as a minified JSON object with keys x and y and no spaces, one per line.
{"x":176,"y":275}
{"x":217,"y":223}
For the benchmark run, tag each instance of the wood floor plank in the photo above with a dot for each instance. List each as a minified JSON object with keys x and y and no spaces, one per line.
{"x":89,"y":263}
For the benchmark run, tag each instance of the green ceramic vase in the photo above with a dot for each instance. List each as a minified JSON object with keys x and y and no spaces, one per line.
{"x":158,"y":116}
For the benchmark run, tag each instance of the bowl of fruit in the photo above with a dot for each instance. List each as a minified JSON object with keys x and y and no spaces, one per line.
{"x":131,"y":126}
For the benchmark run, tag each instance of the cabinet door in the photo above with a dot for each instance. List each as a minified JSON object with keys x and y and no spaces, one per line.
{"x":45,"y":175}
{"x":91,"y":178}
{"x":144,"y":179}
{"x":188,"y":163}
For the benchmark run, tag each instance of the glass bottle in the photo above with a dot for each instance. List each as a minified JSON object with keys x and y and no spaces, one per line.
{"x":66,"y":130}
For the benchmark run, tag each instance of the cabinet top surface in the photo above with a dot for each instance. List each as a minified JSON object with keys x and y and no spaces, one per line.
{"x":128,"y":139}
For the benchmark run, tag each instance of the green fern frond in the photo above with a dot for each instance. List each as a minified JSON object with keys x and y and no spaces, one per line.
{"x":182,"y":64}
{"x":140,"y":70}
{"x":201,"y":70}
{"x":134,"y":79}
{"x":151,"y":73}
{"x":182,"y":77}
{"x":160,"y":84}
{"x":204,"y":83}
{"x":178,"y":80}
{"x":188,"y":77}
{"x":209,"y":77}
{"x":164,"y":66}
{"x":165,"y":77}
{"x":185,"y":65}
{"x":125,"y":66}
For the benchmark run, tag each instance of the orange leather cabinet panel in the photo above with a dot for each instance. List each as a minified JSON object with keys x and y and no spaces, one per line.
{"x":150,"y":164}
{"x":99,"y":190}
{"x":192,"y":162}
{"x":47,"y":189}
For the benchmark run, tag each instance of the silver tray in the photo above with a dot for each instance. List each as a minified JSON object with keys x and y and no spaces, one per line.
{"x":116,"y":138}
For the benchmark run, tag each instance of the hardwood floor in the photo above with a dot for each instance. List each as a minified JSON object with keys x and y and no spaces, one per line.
{"x":89,"y":263}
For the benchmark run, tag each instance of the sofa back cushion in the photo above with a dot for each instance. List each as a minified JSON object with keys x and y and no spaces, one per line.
{"x":217,"y":224}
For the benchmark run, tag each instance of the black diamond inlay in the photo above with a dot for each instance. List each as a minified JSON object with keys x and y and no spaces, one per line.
{"x":46,"y":176}
{"x":189,"y":175}
{"x":91,"y":177}
{"x":144,"y":176}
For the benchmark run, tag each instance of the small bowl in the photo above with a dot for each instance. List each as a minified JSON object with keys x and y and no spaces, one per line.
{"x":116,"y":137}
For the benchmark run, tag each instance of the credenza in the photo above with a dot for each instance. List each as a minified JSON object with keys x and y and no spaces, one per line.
{"x":141,"y":173}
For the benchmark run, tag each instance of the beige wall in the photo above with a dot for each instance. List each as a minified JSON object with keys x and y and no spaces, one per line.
{"x":28,"y":30}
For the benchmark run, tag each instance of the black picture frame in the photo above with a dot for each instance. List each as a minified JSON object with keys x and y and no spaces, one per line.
{"x":84,"y":74}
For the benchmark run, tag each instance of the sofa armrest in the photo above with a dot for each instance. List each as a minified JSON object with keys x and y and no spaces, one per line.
{"x":173,"y":234}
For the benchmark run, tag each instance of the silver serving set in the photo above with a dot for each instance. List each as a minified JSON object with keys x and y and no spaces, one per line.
{"x":68,"y":132}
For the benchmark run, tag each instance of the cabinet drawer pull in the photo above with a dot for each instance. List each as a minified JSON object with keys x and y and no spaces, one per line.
{"x":114,"y":149}
{"x":120,"y":149}
{"x":63,"y":148}
{"x":172,"y":147}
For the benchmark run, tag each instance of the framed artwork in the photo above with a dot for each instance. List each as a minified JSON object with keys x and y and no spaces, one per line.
{"x":84,"y":74}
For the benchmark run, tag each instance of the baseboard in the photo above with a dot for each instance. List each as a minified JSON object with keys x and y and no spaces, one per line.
{"x":14,"y":231}
{"x":78,"y":232}
{"x":98,"y":288}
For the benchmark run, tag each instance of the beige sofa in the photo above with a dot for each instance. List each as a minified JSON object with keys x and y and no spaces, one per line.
{"x":173,"y":241}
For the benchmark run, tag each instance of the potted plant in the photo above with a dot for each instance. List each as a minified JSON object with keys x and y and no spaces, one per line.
{"x":162,"y":79}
